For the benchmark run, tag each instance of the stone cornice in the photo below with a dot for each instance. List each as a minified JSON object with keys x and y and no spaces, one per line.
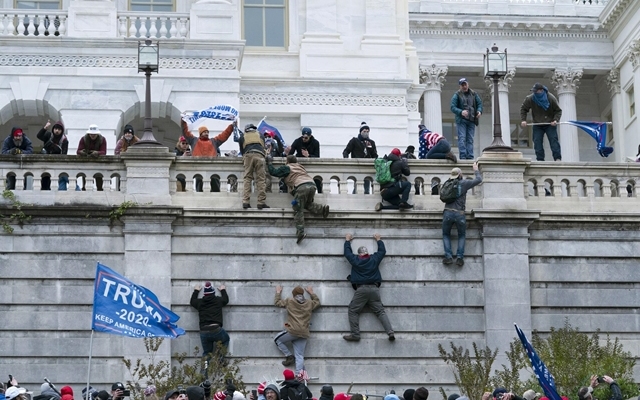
{"x":297,"y":99}
{"x":507,"y":26}
{"x":32,"y":60}
{"x":612,"y":12}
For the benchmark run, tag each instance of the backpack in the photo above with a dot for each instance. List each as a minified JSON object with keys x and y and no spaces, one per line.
{"x":297,"y":392}
{"x":383,"y":170}
{"x":450,"y":191}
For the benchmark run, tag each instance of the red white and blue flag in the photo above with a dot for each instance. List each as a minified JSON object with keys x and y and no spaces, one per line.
{"x":265,"y":128}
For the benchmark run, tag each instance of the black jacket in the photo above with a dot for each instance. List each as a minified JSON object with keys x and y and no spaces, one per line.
{"x":54,"y":144}
{"x":312,"y":146}
{"x":209,"y":307}
{"x":358,"y":148}
{"x":399,"y":167}
{"x":284,"y":392}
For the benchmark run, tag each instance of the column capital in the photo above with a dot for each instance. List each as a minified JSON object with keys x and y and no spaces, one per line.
{"x":433,"y":76}
{"x":633,"y":52}
{"x":613,"y":81}
{"x":566,"y":80}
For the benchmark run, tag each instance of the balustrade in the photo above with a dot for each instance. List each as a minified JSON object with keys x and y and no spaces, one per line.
{"x":33,"y":23}
{"x":154,"y":25}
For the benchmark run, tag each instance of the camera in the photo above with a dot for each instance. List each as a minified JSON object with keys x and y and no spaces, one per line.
{"x":600,"y":379}
{"x":206,"y":385}
{"x":182,"y":390}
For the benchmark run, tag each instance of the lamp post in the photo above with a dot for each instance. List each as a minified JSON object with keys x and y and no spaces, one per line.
{"x":495,"y":67}
{"x":148,"y":62}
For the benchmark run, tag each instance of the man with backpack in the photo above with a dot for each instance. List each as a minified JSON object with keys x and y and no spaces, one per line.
{"x":454,"y":194}
{"x":292,"y":389}
{"x":393,"y":189}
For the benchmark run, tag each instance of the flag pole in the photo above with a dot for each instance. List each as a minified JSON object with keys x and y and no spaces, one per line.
{"x":87,"y":394}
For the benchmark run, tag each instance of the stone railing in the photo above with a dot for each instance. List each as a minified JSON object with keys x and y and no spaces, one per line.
{"x":32,"y":23}
{"x":598,"y":186}
{"x":154,"y":25}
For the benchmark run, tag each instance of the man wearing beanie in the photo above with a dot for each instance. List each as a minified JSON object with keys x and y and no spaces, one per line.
{"x":421,"y":393}
{"x":253,"y":155}
{"x":296,"y":329}
{"x":365,"y":278}
{"x":454,"y":214}
{"x":397,"y":191}
{"x":361,"y":147}
{"x":326,"y":393}
{"x":292,"y":389}
{"x":408,"y":394}
{"x":128,"y":138}
{"x":210,"y":314}
{"x":195,"y":393}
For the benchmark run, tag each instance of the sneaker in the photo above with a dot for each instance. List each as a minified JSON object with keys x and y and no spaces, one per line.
{"x":460,"y":262}
{"x":261,"y":206}
{"x":392,"y":337}
{"x":451,"y":156}
{"x":301,"y":237}
{"x":290,"y":360}
{"x":351,"y":338}
{"x":325,"y":211}
{"x":247,"y":205}
{"x":447,"y":261}
{"x":378,"y":206}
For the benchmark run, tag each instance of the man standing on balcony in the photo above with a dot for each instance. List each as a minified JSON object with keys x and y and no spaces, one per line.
{"x":361,"y":147}
{"x":253,"y":154}
{"x":16,"y":143}
{"x":365,"y":278}
{"x":546,"y":114}
{"x":203,"y":146}
{"x":303,"y":189}
{"x":467,"y":107}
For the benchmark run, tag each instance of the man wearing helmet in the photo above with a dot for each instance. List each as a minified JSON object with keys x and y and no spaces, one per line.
{"x":253,"y":154}
{"x":306,"y":145}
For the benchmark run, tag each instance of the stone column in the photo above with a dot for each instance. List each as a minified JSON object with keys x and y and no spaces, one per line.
{"x":566,"y":81}
{"x":433,"y":78}
{"x":617,"y":116}
{"x":413,"y":98}
{"x":504,"y":84}
{"x":634,"y":57}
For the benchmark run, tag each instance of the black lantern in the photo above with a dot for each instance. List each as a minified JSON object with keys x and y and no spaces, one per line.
{"x":148,"y":62}
{"x":495,"y":67}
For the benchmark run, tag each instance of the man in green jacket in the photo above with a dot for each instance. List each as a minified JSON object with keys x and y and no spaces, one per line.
{"x":303,"y":189}
{"x":546,"y":113}
{"x":296,"y":329}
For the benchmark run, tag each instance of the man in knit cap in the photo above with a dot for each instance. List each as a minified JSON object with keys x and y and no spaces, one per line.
{"x":210,"y":314}
{"x":361,"y":147}
{"x":296,"y":329}
{"x":293,"y":389}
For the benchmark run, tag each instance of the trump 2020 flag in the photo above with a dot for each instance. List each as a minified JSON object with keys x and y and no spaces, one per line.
{"x":265,"y":128}
{"x":121,"y":307}
{"x":542,"y":373}
{"x":598,"y":131}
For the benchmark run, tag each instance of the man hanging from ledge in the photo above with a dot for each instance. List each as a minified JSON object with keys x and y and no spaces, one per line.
{"x":303,"y":189}
{"x":203,"y":146}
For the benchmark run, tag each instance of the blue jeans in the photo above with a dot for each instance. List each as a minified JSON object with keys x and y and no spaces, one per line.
{"x":552,"y":136}
{"x":209,"y":340}
{"x":466,"y":130}
{"x":397,"y":193}
{"x":448,"y":219}
{"x":440,"y":150}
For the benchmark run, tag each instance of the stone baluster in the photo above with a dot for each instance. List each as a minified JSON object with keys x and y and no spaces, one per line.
{"x":133,"y":30}
{"x":605,"y":189}
{"x":153,"y":30}
{"x":89,"y":184}
{"x":173,"y":30}
{"x":433,"y":77}
{"x":343,"y":188}
{"x":20,"y":182}
{"x":20,"y":25}
{"x":62,"y":28}
{"x":31,"y":26}
{"x":566,"y":82}
{"x":590,"y":190}
{"x":11,"y":28}
{"x":163,"y":28}
{"x":55,"y":183}
{"x":47,"y":27}
{"x":37,"y":183}
{"x":143,"y":27}
{"x":122,"y":28}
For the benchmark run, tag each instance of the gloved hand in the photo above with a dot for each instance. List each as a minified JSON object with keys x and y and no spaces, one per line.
{"x":16,"y":150}
{"x":83,"y":152}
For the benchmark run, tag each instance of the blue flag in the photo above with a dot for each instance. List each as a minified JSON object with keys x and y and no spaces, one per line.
{"x":542,"y":373}
{"x":121,"y":307}
{"x":265,"y":128}
{"x":598,"y":131}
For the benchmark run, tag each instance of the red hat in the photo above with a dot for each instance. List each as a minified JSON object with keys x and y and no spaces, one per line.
{"x":342,"y":396}
{"x":219,"y":396}
{"x":288,"y":375}
{"x":17,"y":132}
{"x":396,"y":151}
{"x":182,"y":139}
{"x":261,"y":387}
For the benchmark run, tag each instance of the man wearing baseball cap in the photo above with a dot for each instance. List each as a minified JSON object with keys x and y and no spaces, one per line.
{"x":545,"y":113}
{"x":15,"y":392}
{"x":467,"y":107}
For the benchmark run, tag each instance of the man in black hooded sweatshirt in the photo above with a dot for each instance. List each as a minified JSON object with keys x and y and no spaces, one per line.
{"x":210,"y":313}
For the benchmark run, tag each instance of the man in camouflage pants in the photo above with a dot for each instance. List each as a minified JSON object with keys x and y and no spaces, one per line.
{"x":303,"y":189}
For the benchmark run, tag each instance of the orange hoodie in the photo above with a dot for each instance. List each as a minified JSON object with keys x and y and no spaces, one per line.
{"x":205,"y":148}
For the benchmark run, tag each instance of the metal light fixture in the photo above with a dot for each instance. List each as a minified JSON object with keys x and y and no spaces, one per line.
{"x":495,"y":67}
{"x":148,"y":62}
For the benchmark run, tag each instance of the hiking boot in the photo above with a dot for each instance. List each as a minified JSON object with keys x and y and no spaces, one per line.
{"x":405,"y":206}
{"x":246,"y":205}
{"x":325,"y":211}
{"x":351,"y":338}
{"x":451,"y":156}
{"x":301,"y":237}
{"x":447,"y":261}
{"x":378,"y":206}
{"x":392,"y":337}
{"x":460,"y":262}
{"x":290,"y":360}
{"x":261,"y":206}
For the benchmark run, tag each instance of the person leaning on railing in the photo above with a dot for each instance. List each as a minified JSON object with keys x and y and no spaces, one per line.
{"x":16,"y":144}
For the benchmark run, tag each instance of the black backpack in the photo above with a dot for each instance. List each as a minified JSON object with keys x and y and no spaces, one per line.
{"x":450,"y":191}
{"x":297,"y":392}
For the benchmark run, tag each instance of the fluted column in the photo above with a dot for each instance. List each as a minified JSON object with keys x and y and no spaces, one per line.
{"x":504,"y":84}
{"x":566,"y":82}
{"x":617,"y":116}
{"x":433,"y":77}
{"x":634,"y":57}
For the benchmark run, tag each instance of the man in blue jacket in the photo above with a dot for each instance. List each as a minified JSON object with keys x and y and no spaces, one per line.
{"x":366,"y":279}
